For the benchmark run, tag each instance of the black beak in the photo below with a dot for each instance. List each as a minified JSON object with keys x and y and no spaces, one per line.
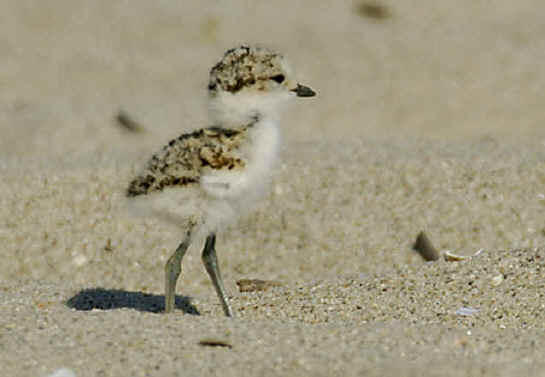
{"x":303,"y":91}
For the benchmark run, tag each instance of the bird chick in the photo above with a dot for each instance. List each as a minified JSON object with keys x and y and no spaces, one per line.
{"x":205,"y":179}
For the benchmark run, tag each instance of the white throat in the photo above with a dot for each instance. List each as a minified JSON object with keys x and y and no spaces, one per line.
{"x":234,"y":110}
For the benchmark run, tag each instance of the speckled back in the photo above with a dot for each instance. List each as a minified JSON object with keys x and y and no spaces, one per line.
{"x":181,"y":161}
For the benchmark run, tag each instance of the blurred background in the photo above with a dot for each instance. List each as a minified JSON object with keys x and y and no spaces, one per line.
{"x":448,"y":70}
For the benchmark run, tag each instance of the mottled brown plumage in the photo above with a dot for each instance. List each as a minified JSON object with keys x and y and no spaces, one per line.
{"x":181,"y":161}
{"x":246,"y":66}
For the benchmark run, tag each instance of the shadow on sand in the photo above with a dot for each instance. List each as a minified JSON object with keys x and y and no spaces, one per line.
{"x":107,"y":299}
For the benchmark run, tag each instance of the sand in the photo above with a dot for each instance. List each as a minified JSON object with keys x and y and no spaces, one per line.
{"x":429,"y":118}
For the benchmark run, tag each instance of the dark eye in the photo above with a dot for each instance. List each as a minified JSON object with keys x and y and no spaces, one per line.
{"x":278,"y":78}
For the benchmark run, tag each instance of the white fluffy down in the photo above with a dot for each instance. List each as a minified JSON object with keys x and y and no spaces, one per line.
{"x":222,"y":195}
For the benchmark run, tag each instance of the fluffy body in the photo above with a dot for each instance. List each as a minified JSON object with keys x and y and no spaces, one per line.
{"x":208,"y":177}
{"x":205,"y":179}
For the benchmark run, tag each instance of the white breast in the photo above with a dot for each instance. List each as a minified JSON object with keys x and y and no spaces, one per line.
{"x":263,"y":155}
{"x":249,"y":184}
{"x":231,"y":194}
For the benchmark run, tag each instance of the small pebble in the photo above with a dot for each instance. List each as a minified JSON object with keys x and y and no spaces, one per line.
{"x":466,"y":311}
{"x":63,"y":372}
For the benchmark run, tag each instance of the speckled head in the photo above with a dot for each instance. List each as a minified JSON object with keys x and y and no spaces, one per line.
{"x":251,"y":83}
{"x":256,"y":69}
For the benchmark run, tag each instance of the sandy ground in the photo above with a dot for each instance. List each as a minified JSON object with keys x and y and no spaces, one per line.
{"x":429,"y":117}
